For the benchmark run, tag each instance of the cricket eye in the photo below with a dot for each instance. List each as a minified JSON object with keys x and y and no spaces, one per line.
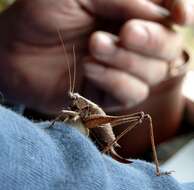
{"x":72,"y":96}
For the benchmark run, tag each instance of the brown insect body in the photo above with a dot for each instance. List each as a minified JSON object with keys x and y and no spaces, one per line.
{"x":102,"y":133}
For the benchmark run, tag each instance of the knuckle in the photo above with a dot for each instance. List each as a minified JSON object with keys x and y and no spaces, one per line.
{"x":128,"y":89}
{"x":127,"y":30}
{"x":116,"y":78}
{"x":128,"y":26}
{"x":140,"y":92}
{"x":155,"y":42}
{"x":144,"y":93}
{"x":102,"y":45}
{"x":115,"y":81}
{"x":94,"y":42}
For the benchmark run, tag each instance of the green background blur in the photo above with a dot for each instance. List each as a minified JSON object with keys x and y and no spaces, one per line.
{"x":188,"y":33}
{"x":4,"y":3}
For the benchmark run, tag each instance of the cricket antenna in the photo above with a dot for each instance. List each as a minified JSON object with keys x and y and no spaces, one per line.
{"x":74,"y":67}
{"x":71,"y":87}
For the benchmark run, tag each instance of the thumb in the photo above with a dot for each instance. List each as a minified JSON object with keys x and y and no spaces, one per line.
{"x":126,"y":9}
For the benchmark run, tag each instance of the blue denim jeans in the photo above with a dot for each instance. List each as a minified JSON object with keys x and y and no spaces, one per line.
{"x":33,"y":157}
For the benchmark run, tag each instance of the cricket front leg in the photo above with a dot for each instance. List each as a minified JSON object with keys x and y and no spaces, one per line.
{"x":65,"y":116}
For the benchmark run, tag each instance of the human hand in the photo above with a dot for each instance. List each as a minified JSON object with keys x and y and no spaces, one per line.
{"x":33,"y":68}
{"x":139,"y":57}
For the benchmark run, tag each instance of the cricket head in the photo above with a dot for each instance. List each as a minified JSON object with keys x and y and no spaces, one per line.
{"x":78,"y":102}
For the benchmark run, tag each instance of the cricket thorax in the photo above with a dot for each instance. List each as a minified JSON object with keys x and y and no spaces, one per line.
{"x":84,"y":106}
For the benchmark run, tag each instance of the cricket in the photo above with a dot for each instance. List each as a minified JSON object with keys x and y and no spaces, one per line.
{"x":91,"y":120}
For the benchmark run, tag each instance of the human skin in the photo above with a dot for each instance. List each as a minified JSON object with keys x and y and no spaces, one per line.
{"x":116,"y":40}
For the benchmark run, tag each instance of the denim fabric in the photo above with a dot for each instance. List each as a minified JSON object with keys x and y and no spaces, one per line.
{"x":33,"y":157}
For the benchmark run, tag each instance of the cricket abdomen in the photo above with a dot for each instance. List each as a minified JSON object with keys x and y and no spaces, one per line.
{"x":103,"y":134}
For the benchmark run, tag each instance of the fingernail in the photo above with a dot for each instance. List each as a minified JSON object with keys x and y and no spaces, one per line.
{"x":163,"y":12}
{"x":159,"y":10}
{"x":138,"y":36}
{"x":104,"y":45}
{"x":93,"y":71}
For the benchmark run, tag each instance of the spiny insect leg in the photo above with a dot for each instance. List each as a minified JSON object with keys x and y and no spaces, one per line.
{"x":137,"y":119}
{"x":96,"y":120}
{"x":158,"y":173}
{"x":115,"y":156}
{"x":128,"y":119}
{"x":147,"y":116}
{"x":120,"y":136}
{"x":64,"y":116}
{"x":134,"y":119}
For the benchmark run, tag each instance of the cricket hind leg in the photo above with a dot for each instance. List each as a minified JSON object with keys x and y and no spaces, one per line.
{"x":134,"y":122}
{"x":117,"y":157}
{"x":136,"y":119}
{"x":155,"y":157}
{"x":111,"y":151}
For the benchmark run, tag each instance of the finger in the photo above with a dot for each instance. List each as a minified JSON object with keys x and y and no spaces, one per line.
{"x":125,"y":9}
{"x":104,"y":49}
{"x":182,"y":11}
{"x":126,"y":88}
{"x":151,"y":39}
{"x":157,"y":1}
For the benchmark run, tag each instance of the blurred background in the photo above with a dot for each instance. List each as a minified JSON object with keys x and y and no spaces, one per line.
{"x":5,"y":3}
